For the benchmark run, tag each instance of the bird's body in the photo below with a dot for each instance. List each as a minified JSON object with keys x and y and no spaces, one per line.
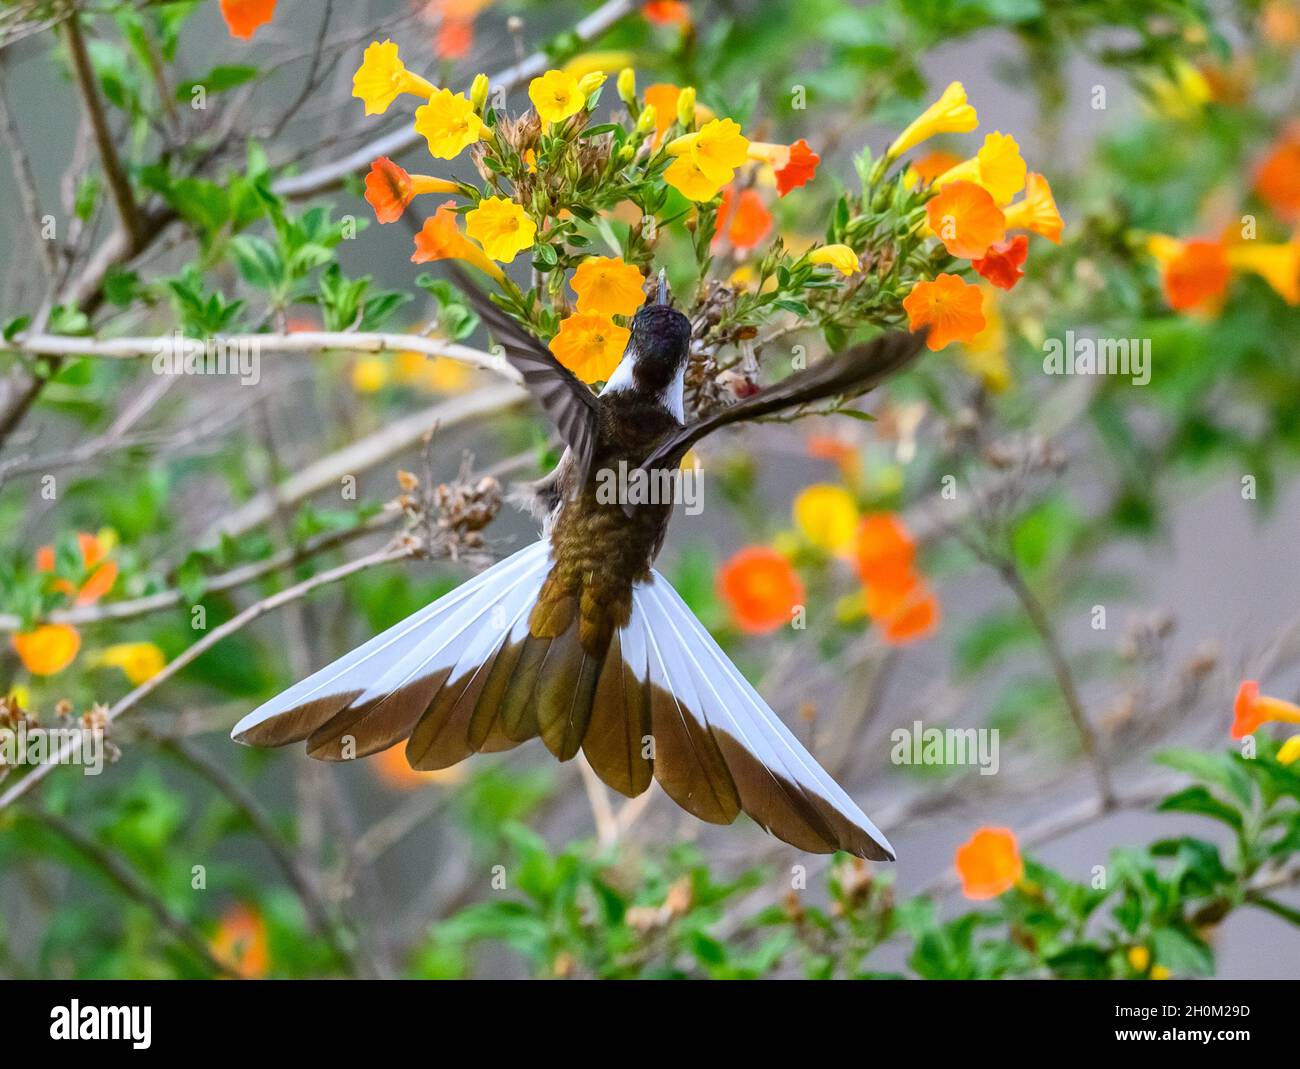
{"x":577,"y":640}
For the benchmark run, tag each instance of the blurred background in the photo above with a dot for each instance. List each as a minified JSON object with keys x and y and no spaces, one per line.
{"x":1074,"y":493}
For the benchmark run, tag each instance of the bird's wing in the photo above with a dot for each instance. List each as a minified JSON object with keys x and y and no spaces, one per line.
{"x":856,"y":370}
{"x":573,"y":408}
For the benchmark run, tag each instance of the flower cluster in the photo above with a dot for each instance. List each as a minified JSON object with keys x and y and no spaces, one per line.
{"x":667,"y":167}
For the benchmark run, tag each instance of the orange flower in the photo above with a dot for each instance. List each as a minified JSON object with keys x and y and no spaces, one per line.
{"x":241,"y":942}
{"x":102,"y":573}
{"x":441,"y":239}
{"x":1002,"y":264}
{"x":590,"y":346}
{"x":1196,"y":275}
{"x":843,"y":454}
{"x":989,"y":864}
{"x":1278,"y":179}
{"x":905,"y":614}
{"x":48,"y":649}
{"x":389,"y":189}
{"x":761,"y":588}
{"x":663,"y":97}
{"x":1251,"y":710}
{"x":793,"y":165}
{"x":245,"y":17}
{"x":966,"y":219}
{"x":931,"y":166}
{"x":667,"y":13}
{"x":952,"y":308}
{"x":455,"y":36}
{"x":885,"y":550}
{"x":744,"y":221}
{"x":395,"y":771}
{"x":1036,"y":211}
{"x":605,"y":285}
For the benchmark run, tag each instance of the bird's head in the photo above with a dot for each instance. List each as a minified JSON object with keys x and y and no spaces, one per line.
{"x":661,"y":338}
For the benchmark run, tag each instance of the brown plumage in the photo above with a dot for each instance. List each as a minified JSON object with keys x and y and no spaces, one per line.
{"x":577,"y":640}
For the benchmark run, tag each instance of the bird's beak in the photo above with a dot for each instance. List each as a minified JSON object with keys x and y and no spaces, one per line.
{"x":664,"y":295}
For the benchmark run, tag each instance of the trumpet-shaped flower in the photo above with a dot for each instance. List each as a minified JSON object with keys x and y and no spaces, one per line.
{"x":1252,"y":710}
{"x":556,"y":95}
{"x":441,"y":239}
{"x":950,"y":114}
{"x":47,"y":649}
{"x":1276,"y":264}
{"x":951,"y":307}
{"x":383,"y":77}
{"x":1195,"y":273}
{"x":1002,"y":264}
{"x":718,"y":148}
{"x":1277,"y":180}
{"x":502,"y":227}
{"x":792,"y":165}
{"x":761,"y":588}
{"x":989,"y":863}
{"x":449,"y":123}
{"x":245,"y":17}
{"x":743,"y":220}
{"x":965,"y":218}
{"x":607,"y":286}
{"x":139,"y":661}
{"x":590,"y":345}
{"x":685,"y":176}
{"x":1289,"y":752}
{"x":389,"y":189}
{"x":998,"y":167}
{"x":827,"y":516}
{"x":840,"y":257}
{"x":100,"y":571}
{"x":1036,"y":211}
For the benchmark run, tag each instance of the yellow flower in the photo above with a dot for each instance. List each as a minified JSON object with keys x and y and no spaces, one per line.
{"x":139,"y":661}
{"x":840,"y":257}
{"x":1182,"y":95}
{"x":1278,"y":265}
{"x":590,"y":82}
{"x":998,"y":167}
{"x":828,"y":517}
{"x":985,"y":355}
{"x":1159,"y":972}
{"x":369,"y":375}
{"x":717,"y":148}
{"x":556,"y":95}
{"x":950,"y":114}
{"x":687,"y":109}
{"x":382,"y":77}
{"x":627,"y":86}
{"x":440,"y":239}
{"x":590,"y":346}
{"x":449,"y":123}
{"x":1139,"y":958}
{"x":685,"y":176}
{"x":597,"y":63}
{"x":502,"y":227}
{"x":1290,"y":751}
{"x":605,"y":285}
{"x":1037,"y":211}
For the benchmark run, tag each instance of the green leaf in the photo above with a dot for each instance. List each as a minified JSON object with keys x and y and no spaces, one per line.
{"x":1200,"y":800}
{"x":217,"y":80}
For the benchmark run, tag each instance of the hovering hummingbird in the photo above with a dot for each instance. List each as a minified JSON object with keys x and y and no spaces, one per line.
{"x":576,"y":638}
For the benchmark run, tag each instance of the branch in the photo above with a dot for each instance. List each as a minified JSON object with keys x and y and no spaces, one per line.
{"x":235,"y":623}
{"x":332,"y":174}
{"x":126,"y":879}
{"x":25,"y":179}
{"x":84,"y":75}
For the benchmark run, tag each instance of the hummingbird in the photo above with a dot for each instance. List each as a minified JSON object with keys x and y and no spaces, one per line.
{"x":576,"y":639}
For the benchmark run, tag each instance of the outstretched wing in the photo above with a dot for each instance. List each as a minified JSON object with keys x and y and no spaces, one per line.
{"x":572,"y":407}
{"x":856,"y":370}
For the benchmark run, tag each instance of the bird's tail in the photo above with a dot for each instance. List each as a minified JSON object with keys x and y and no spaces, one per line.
{"x":470,"y":674}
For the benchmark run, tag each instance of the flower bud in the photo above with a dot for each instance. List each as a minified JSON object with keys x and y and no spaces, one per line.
{"x":589,"y":83}
{"x":686,"y":107}
{"x":478,"y":92}
{"x":645,"y":122}
{"x":627,"y":86}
